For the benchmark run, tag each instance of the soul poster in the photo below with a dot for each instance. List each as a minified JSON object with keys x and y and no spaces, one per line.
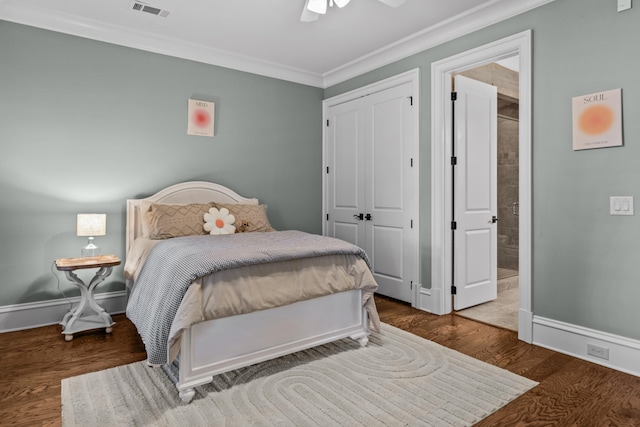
{"x":597,"y":120}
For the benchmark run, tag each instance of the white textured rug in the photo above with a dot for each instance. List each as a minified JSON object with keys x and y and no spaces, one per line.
{"x":398,"y":379}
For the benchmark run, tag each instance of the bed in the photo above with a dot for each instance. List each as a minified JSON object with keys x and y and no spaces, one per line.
{"x":237,"y":315}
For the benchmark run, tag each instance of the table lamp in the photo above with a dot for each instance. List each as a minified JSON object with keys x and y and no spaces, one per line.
{"x":91,"y":225}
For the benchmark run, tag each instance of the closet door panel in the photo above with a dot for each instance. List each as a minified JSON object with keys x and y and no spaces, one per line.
{"x":346,"y":159}
{"x":389,"y":145}
{"x":386,"y":155}
{"x":345,"y":172}
{"x":388,"y":253}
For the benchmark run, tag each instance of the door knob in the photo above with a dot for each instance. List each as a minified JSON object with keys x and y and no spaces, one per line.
{"x":359,"y":217}
{"x":368,"y":217}
{"x":494,"y":219}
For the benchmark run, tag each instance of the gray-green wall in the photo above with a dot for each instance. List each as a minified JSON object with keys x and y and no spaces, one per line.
{"x":84,"y":125}
{"x":585,"y":262}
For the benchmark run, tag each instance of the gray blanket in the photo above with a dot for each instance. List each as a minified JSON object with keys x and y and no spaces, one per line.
{"x":173,"y":264}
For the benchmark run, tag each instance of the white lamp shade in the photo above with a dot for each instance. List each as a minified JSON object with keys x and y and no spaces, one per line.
{"x":91,"y":225}
{"x":341,"y":3}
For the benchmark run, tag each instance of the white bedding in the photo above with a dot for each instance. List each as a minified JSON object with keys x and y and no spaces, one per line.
{"x":257,"y":287}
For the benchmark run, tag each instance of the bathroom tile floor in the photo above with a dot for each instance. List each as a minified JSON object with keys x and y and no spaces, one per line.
{"x":503,"y":311}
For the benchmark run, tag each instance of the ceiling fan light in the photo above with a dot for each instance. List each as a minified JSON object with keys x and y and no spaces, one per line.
{"x":308,"y":16}
{"x":393,"y":3}
{"x":341,"y":3}
{"x":317,"y":6}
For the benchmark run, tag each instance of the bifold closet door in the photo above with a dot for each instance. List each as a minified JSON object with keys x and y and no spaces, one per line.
{"x":372,"y":193}
{"x":346,"y":173}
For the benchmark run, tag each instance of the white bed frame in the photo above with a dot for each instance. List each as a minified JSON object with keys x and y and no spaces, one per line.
{"x":216,"y":346}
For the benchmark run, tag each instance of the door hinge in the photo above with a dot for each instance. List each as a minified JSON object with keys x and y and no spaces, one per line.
{"x":454,"y":290}
{"x":411,"y":162}
{"x":327,"y":122}
{"x":411,"y":223}
{"x":454,"y":160}
{"x":327,"y":169}
{"x":410,"y":100}
{"x":454,"y":96}
{"x":453,"y":225}
{"x":412,"y":285}
{"x":327,"y":217}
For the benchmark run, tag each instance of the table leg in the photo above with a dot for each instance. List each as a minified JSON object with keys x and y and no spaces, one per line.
{"x":86,"y":298}
{"x":70,"y":318}
{"x":102,"y":274}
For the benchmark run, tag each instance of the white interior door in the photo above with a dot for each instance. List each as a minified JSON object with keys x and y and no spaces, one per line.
{"x":475,"y":193}
{"x":391,"y":193}
{"x":346,"y":173}
{"x":372,"y":171}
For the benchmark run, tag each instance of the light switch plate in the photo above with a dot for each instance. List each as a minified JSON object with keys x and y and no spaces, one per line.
{"x":624,"y":5}
{"x":621,"y":205}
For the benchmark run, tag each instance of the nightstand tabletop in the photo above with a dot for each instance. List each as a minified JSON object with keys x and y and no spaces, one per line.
{"x":70,"y":264}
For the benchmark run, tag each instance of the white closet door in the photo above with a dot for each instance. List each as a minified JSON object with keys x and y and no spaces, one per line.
{"x":346,"y":172}
{"x":391,"y":191}
{"x":371,"y":155}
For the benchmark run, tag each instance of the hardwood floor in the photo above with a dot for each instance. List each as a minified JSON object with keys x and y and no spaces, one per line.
{"x":572,"y":392}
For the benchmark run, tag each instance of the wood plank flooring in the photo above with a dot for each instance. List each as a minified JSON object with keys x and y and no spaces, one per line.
{"x":572,"y":392}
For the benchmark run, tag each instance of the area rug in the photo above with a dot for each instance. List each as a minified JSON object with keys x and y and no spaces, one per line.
{"x":398,"y":379}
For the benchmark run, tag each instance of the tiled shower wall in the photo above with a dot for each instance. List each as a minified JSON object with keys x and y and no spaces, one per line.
{"x":508,"y":191}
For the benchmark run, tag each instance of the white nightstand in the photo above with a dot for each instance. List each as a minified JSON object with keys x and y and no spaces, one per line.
{"x":76,"y":320}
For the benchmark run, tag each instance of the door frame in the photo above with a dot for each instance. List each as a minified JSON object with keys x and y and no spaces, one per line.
{"x":441,"y":183}
{"x":413,"y":77}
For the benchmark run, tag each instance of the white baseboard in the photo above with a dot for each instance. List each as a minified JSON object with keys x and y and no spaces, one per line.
{"x":624,"y":353}
{"x":525,"y":325}
{"x":428,"y":300}
{"x":18,"y":317}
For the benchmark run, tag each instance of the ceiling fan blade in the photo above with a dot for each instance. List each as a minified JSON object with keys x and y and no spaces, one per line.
{"x":393,"y":3}
{"x":317,"y":6}
{"x":308,"y":16}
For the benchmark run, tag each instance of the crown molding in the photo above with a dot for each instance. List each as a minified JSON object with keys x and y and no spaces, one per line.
{"x":472,"y":20}
{"x":13,"y":11}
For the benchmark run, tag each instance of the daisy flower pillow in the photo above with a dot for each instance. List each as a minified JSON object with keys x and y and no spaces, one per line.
{"x":219,"y":221}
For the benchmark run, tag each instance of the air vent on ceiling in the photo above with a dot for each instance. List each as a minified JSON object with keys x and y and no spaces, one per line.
{"x":142,"y":7}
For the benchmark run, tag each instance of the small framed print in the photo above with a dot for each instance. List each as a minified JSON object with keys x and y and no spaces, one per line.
{"x":597,"y":120}
{"x":200,"y":118}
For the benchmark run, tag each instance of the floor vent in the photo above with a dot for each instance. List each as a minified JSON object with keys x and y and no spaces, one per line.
{"x":142,"y":7}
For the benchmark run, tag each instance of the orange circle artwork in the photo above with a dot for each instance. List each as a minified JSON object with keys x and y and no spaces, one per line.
{"x":201,"y":118}
{"x":596,"y":119}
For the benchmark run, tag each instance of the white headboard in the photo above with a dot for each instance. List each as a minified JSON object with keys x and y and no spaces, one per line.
{"x":179,"y":194}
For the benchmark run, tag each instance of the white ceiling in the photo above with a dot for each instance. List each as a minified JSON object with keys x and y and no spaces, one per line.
{"x":267,"y":37}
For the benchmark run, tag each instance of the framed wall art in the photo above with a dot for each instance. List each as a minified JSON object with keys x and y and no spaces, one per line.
{"x":200,"y":118}
{"x":597,"y":120}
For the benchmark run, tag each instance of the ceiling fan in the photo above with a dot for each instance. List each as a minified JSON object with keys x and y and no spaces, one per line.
{"x":314,"y":8}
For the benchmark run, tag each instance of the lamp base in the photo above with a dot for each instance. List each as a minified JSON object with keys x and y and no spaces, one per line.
{"x":90,"y":250}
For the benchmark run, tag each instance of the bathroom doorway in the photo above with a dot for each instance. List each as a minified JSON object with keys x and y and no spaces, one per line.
{"x":503,"y":311}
